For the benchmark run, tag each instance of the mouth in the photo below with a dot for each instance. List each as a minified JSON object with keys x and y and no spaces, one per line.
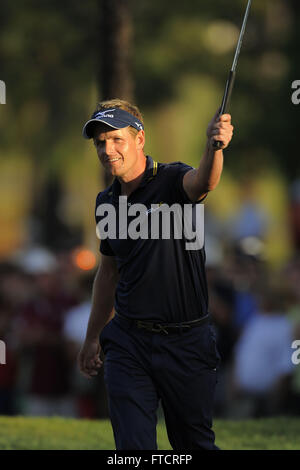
{"x":112,"y":160}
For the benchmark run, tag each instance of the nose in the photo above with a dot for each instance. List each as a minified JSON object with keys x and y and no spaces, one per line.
{"x":109,"y":147}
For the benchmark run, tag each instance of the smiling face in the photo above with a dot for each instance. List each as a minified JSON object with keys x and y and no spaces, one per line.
{"x":119,"y":151}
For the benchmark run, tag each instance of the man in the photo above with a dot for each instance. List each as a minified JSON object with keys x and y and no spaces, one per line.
{"x":159,"y":345}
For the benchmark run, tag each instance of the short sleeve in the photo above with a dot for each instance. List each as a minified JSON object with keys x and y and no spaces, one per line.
{"x":105,"y":248}
{"x":175,"y":173}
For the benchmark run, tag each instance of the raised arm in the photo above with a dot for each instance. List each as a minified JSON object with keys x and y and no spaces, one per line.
{"x":197,"y":183}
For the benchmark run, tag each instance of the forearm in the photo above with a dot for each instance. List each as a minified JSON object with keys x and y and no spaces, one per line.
{"x":103,"y":295}
{"x":210,"y":169}
{"x":197,"y":183}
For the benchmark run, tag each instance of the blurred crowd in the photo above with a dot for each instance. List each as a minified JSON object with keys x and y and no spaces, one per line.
{"x":256,"y":315}
{"x":44,"y":310}
{"x":45,"y":303}
{"x":256,"y":311}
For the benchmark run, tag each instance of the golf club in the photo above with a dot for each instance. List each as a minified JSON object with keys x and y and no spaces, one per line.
{"x":232,"y":73}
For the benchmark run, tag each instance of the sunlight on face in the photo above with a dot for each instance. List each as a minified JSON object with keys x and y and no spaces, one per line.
{"x":117,"y":149}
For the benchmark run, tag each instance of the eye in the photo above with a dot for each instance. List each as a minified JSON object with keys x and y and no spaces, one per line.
{"x":99,"y":142}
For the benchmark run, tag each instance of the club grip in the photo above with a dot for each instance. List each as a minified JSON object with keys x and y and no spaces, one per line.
{"x":225,"y":102}
{"x":217,"y":145}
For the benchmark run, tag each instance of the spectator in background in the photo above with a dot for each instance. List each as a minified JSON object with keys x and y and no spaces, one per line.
{"x":221,"y":308}
{"x":250,"y":220}
{"x":8,"y":371}
{"x":246,"y":232}
{"x":90,"y":395}
{"x":15,"y":285}
{"x":15,"y":290}
{"x":262,"y":359}
{"x":245,"y":273}
{"x":291,"y":280}
{"x":222,"y":301}
{"x":42,"y":346}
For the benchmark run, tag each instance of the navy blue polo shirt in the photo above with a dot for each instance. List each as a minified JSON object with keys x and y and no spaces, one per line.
{"x":160,"y":279}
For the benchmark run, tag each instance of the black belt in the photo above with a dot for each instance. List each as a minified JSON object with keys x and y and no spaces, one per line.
{"x":167,"y":328}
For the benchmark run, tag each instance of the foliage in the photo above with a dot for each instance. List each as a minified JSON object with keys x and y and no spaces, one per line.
{"x":50,"y":53}
{"x":50,"y":60}
{"x":191,"y":38}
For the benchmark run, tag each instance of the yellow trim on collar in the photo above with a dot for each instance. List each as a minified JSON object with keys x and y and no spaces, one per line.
{"x":154,"y":168}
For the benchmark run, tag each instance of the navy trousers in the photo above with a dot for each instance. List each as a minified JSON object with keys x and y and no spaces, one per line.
{"x":141,"y":368}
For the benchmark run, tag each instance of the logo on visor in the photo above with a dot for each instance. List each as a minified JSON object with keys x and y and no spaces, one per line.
{"x":103,"y":114}
{"x":139,"y":125}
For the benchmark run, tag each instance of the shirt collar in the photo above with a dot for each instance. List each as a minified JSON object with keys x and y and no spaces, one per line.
{"x":149,"y":173}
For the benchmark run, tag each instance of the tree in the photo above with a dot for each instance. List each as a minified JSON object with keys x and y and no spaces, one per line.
{"x":114,"y":53}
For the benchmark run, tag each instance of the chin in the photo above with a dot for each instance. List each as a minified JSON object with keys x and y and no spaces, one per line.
{"x":115,"y":171}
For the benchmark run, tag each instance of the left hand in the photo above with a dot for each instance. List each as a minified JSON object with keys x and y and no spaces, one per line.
{"x":220,"y":129}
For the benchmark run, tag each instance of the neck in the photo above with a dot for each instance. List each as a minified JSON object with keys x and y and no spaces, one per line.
{"x":131,"y":182}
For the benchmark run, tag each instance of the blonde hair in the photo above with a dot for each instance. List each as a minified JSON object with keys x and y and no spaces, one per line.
{"x":126,"y":106}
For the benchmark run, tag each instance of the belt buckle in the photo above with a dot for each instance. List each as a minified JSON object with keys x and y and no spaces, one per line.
{"x":150,"y":326}
{"x":159,"y":329}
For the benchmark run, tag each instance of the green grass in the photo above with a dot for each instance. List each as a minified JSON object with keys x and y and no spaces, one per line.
{"x":70,"y":434}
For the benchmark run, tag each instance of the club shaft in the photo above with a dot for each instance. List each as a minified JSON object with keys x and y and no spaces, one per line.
{"x":228,"y":91}
{"x":231,"y":78}
{"x":239,"y":45}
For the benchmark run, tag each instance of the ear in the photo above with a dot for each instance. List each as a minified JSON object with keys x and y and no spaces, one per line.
{"x":140,"y":140}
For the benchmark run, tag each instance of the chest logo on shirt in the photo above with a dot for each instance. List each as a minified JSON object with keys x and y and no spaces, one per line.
{"x":153,"y":209}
